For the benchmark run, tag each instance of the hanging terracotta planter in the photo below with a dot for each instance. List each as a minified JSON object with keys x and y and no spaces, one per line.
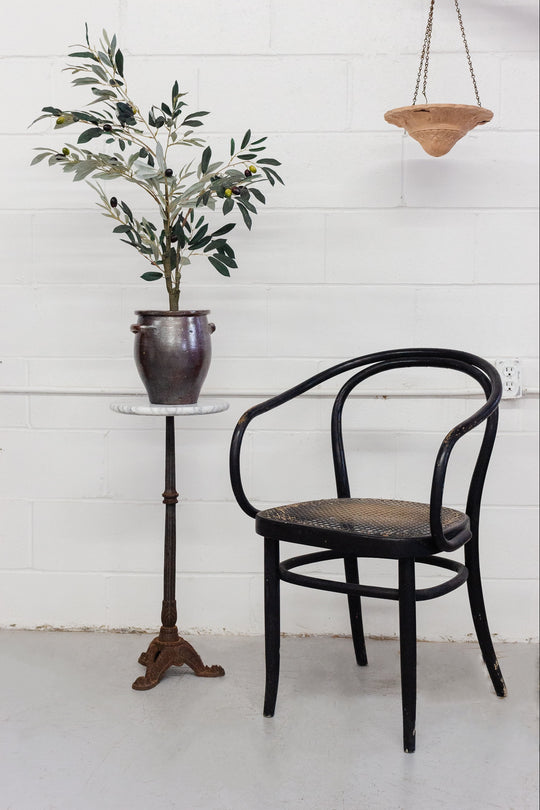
{"x":438,"y":127}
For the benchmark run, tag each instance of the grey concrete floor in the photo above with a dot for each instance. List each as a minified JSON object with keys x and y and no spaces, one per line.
{"x":75,"y":736}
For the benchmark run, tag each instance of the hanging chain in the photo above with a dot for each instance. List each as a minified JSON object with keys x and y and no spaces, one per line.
{"x":424,"y":58}
{"x":469,"y":60}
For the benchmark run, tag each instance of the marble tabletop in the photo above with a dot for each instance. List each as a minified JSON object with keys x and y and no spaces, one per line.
{"x":138,"y":408}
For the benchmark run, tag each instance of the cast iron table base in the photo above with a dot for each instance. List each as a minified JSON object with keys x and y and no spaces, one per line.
{"x":169,"y":649}
{"x":163,"y":653}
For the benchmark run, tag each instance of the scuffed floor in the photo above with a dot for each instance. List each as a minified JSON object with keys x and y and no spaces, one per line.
{"x":75,"y":736}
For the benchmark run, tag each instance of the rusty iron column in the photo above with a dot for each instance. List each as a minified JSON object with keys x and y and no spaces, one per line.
{"x":170,"y":649}
{"x":170,"y":499}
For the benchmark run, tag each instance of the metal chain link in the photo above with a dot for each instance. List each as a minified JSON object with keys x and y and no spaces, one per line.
{"x":424,"y":58}
{"x":469,"y":60}
{"x":425,"y":55}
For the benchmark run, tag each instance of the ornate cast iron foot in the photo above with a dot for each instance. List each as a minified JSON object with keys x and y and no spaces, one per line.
{"x":167,"y":652}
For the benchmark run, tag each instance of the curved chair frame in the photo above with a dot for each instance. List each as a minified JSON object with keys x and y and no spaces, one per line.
{"x":340,"y":546}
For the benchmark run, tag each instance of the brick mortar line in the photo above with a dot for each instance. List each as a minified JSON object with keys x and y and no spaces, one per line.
{"x":273,"y":54}
{"x":288,"y":358}
{"x":299,"y":210}
{"x":105,"y":431}
{"x":278,"y":285}
{"x":247,"y":394}
{"x":495,"y":130}
{"x":272,"y":285}
{"x":210,"y":574}
{"x":101,"y":500}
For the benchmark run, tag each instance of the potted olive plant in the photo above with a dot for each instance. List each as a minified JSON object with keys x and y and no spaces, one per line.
{"x":172,"y":347}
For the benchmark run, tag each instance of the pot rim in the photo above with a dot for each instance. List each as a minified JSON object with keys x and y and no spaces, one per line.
{"x":166,"y":312}
{"x":444,"y":107}
{"x":418,"y":106}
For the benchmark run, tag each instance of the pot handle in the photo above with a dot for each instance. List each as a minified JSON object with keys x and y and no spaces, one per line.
{"x":140,"y":327}
{"x":212,"y":328}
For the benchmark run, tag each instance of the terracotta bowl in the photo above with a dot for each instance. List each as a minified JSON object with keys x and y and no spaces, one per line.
{"x":437,"y":127}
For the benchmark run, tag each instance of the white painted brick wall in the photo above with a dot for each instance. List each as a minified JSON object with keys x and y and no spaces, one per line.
{"x":370,"y":245}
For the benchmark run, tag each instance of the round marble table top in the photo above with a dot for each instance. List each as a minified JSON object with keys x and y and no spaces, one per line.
{"x":204,"y":405}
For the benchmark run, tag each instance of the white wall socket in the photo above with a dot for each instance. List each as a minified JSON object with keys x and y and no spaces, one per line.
{"x":510,"y":370}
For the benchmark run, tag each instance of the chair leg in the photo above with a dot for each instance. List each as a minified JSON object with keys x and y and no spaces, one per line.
{"x":407,"y":638}
{"x":355,"y":612}
{"x":271,"y":623}
{"x":478,"y":610}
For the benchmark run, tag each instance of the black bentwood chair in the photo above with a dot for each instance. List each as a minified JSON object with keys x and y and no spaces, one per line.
{"x":348,"y":528}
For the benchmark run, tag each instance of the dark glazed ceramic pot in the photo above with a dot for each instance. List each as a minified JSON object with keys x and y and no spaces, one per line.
{"x":172,"y":353}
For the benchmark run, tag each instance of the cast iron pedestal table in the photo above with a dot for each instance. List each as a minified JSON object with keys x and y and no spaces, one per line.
{"x":170,"y":649}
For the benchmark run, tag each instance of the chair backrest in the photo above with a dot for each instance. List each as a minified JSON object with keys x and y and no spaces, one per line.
{"x":371,"y":364}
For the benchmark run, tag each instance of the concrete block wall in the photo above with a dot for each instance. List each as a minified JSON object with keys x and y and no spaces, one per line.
{"x":370,"y":245}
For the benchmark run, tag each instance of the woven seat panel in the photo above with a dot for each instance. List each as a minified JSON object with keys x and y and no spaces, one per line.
{"x":368,"y":517}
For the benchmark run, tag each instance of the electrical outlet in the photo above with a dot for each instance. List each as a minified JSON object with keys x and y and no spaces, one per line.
{"x":510,"y":370}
